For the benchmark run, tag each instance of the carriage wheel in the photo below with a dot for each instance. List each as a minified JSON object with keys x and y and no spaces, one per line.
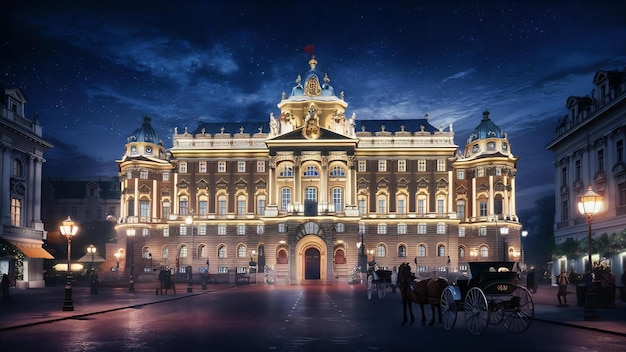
{"x":370,"y":286}
{"x":496,"y":312}
{"x":381,"y":287}
{"x":476,"y":311}
{"x":519,"y":311}
{"x":448,"y":309}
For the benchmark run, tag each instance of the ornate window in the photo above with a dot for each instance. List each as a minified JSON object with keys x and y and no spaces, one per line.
{"x":221,"y":205}
{"x":338,"y":198}
{"x":285,"y":199}
{"x":286,"y":170}
{"x":382,"y":165}
{"x":241,"y":166}
{"x":337,"y":171}
{"x":311,"y":171}
{"x":401,"y":165}
{"x":182,"y":167}
{"x":241,"y":251}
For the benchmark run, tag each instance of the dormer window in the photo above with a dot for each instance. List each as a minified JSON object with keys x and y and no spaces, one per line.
{"x":133,"y":150}
{"x":149,"y":150}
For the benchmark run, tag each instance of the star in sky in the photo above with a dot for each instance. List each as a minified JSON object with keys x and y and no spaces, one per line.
{"x":92,"y":70}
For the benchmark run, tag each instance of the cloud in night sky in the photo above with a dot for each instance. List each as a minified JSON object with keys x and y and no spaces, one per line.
{"x":92,"y":70}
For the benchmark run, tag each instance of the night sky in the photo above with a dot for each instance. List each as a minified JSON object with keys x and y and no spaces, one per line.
{"x":93,"y":69}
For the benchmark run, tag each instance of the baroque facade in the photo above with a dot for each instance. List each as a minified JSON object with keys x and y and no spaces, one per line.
{"x":21,"y":155}
{"x":589,"y":152}
{"x":313,"y":192}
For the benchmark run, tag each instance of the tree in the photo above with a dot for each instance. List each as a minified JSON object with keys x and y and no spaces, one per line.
{"x":539,"y":222}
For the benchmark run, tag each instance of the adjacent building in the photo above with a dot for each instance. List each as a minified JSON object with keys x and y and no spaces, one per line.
{"x":314,"y":193}
{"x":21,"y":154}
{"x":589,"y":152}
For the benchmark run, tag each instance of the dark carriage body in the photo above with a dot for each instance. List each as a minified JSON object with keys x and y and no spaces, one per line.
{"x":494,"y":277}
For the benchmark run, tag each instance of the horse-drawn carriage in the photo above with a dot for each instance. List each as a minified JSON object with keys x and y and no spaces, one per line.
{"x":490,"y":295}
{"x":378,"y":280}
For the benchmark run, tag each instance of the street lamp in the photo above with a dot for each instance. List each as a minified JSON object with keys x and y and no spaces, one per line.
{"x":68,"y":229}
{"x":589,"y":205}
{"x":502,"y":231}
{"x":130,"y":234}
{"x":361,"y":247}
{"x":91,"y":250}
{"x":524,"y":234}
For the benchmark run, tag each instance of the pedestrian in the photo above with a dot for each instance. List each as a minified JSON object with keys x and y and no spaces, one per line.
{"x":562,"y":281}
{"x":93,"y":281}
{"x":531,"y":282}
{"x":394,"y":279}
{"x":5,"y":288}
{"x":162,"y":280}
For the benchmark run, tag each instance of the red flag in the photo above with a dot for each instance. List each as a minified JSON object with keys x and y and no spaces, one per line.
{"x":309,"y":49}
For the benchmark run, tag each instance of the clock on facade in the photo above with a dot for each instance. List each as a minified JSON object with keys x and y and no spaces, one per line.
{"x":148,"y":150}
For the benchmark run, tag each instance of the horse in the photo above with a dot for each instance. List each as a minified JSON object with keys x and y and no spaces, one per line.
{"x":422,"y":292}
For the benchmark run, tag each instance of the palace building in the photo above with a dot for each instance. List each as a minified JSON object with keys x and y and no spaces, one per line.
{"x":313,"y":192}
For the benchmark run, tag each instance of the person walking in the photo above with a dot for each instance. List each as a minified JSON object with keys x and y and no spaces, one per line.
{"x":531,"y":283}
{"x":93,"y":281}
{"x":562,"y":281}
{"x":5,"y":288}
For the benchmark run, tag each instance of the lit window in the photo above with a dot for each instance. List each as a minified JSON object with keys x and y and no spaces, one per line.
{"x":460,"y":210}
{"x":286,"y":170}
{"x":202,"y":229}
{"x":461,"y":252}
{"x":461,"y":231}
{"x":241,"y":166}
{"x":401,"y":250}
{"x":260,"y":166}
{"x":166,"y":210}
{"x":441,"y":165}
{"x":401,"y":165}
{"x":183,"y":205}
{"x":260,"y":205}
{"x":482,"y":231}
{"x":221,"y":166}
{"x":382,"y":229}
{"x":362,"y":166}
{"x":182,"y":253}
{"x":421,"y":250}
{"x":311,"y":171}
{"x":183,"y":229}
{"x":166,"y":232}
{"x":202,"y":167}
{"x":340,"y":227}
{"x":221,"y":252}
{"x":382,"y":204}
{"x":401,"y":205}
{"x":441,"y":250}
{"x":285,"y":198}
{"x":440,"y":206}
{"x":422,"y":228}
{"x":401,"y":229}
{"x":203,"y":206}
{"x":221,"y":229}
{"x":421,"y":165}
{"x":480,"y":172}
{"x":381,"y":251}
{"x":241,"y":229}
{"x":441,"y":228}
{"x":338,"y":199}
{"x":460,"y":174}
{"x":362,"y":203}
{"x":241,"y":205}
{"x":16,"y":212}
{"x":221,"y":205}
{"x":484,"y":251}
{"x":166,"y":176}
{"x":382,"y":165}
{"x":260,"y":229}
{"x":337,"y":171}
{"x":282,"y":227}
{"x":182,"y":167}
{"x":241,"y":251}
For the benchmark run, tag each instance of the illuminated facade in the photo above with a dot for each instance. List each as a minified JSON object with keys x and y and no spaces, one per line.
{"x":313,"y":192}
{"x":589,"y":151}
{"x":21,"y":156}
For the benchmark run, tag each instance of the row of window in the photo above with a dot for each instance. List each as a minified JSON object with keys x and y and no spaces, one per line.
{"x":242,"y":251}
{"x":401,"y":165}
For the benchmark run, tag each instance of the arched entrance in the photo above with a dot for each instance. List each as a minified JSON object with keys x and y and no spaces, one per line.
{"x":312,"y":264}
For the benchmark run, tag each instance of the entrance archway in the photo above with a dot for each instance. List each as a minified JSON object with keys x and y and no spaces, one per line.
{"x":312,"y":264}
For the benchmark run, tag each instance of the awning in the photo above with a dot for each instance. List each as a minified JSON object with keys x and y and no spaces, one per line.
{"x":32,"y":250}
{"x":87,"y":258}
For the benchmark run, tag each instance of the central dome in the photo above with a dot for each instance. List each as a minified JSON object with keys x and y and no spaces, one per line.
{"x":486,"y":130}
{"x":145,"y":133}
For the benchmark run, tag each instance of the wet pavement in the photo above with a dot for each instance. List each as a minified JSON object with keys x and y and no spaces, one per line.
{"x":40,"y":306}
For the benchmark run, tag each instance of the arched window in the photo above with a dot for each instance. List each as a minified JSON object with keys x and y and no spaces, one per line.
{"x":337,"y":171}
{"x":460,"y":209}
{"x":382,"y":204}
{"x":381,"y":250}
{"x":182,"y":252}
{"x":311,"y":171}
{"x":285,"y":199}
{"x":202,"y":253}
{"x":282,"y":256}
{"x":461,"y":252}
{"x":310,"y":193}
{"x":421,"y":250}
{"x":484,"y":251}
{"x":221,"y":251}
{"x":286,"y":170}
{"x":221,"y":205}
{"x":340,"y":257}
{"x":441,"y":250}
{"x":18,"y":168}
{"x":401,"y":250}
{"x":165,"y":253}
{"x":338,"y":198}
{"x":241,"y":205}
{"x":145,"y":253}
{"x":241,"y":251}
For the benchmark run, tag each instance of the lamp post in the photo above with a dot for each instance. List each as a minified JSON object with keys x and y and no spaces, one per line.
{"x":502,"y":231}
{"x":589,"y":205}
{"x":361,"y":247}
{"x":91,"y":250}
{"x":130,"y":234}
{"x":68,"y":229}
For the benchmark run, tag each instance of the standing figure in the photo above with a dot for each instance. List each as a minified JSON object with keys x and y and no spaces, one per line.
{"x":5,"y":288}
{"x":531,"y":282}
{"x":562,"y":280}
{"x":93,"y":281}
{"x":394,"y":279}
